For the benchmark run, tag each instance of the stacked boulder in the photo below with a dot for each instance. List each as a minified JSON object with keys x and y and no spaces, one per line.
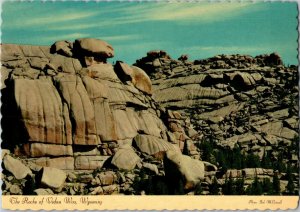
{"x":72,"y":112}
{"x":65,"y":107}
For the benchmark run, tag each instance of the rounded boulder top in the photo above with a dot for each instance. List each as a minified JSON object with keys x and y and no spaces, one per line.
{"x":94,"y":47}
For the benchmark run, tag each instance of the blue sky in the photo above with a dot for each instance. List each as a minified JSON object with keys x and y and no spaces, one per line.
{"x":200,"y":30}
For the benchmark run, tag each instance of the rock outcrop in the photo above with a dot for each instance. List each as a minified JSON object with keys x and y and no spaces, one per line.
{"x":234,"y":103}
{"x":75,"y":124}
{"x":66,"y":102}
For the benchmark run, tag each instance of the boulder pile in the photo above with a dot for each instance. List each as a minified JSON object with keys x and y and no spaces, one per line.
{"x":233,"y":103}
{"x":69,"y":113}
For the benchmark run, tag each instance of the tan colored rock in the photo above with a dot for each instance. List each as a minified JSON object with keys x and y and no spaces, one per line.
{"x":279,"y":114}
{"x":191,"y":170}
{"x":40,"y":150}
{"x":63,"y":64}
{"x":153,"y":145}
{"x":86,"y":151}
{"x":137,"y":76}
{"x":125,"y":158}
{"x":111,"y":189}
{"x":276,"y":128}
{"x":104,"y":71}
{"x":63,"y":48}
{"x":234,"y":173}
{"x":105,"y":124}
{"x":107,"y":178}
{"x":52,"y":177}
{"x":43,"y":191}
{"x":34,"y":51}
{"x":243,"y":79}
{"x":81,"y":109}
{"x":41,"y":111}
{"x":65,"y":163}
{"x":89,"y":162}
{"x":92,"y":46}
{"x":15,"y":189}
{"x":149,"y":123}
{"x":97,"y":190}
{"x":16,"y":167}
{"x":125,"y":127}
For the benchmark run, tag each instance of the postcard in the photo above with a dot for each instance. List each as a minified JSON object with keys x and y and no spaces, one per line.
{"x":143,"y":105}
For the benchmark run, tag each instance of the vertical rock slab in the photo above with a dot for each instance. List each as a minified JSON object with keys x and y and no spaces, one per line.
{"x":124,"y":128}
{"x":81,"y":109}
{"x":41,"y":111}
{"x":98,"y":92}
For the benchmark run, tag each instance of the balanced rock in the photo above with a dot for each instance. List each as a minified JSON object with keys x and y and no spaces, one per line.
{"x":52,"y":177}
{"x":16,"y":167}
{"x":94,"y":47}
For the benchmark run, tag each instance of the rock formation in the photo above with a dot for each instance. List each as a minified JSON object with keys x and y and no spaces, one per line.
{"x":233,"y":102}
{"x":69,"y":111}
{"x":160,"y":126}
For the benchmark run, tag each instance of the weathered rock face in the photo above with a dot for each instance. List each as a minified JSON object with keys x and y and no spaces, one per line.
{"x":233,"y":99}
{"x":66,"y":108}
{"x":229,"y":104}
{"x":66,"y":102}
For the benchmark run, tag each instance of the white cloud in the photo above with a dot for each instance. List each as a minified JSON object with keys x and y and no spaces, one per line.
{"x":53,"y":19}
{"x":73,"y":27}
{"x":70,"y":37}
{"x":120,"y":37}
{"x":127,"y":14}
{"x":198,"y":12}
{"x":59,"y":18}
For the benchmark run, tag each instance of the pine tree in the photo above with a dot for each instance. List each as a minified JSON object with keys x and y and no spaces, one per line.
{"x":267,"y":186}
{"x":236,"y":158}
{"x":225,"y":186}
{"x":252,"y":161}
{"x":207,"y":148}
{"x":243,"y":161}
{"x":198,"y":189}
{"x":290,"y":188}
{"x":266,"y":161}
{"x":256,"y":187}
{"x":229,"y":187}
{"x":276,"y":184}
{"x":221,"y":159}
{"x":214,"y":187}
{"x":239,"y":185}
{"x":279,"y":165}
